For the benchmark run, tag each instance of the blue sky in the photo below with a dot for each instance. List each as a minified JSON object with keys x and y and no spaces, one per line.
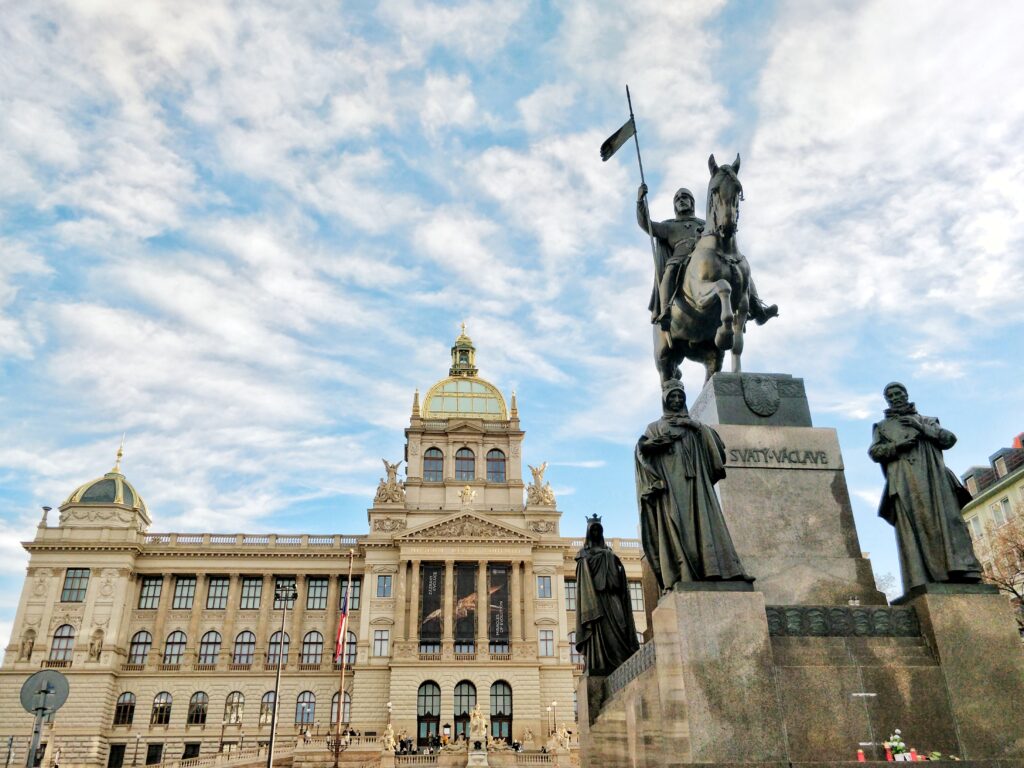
{"x":245,"y":232}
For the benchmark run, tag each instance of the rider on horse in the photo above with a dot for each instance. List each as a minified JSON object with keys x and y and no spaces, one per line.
{"x":675,"y":239}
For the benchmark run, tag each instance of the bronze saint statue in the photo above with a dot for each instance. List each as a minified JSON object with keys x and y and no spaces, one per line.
{"x":683,"y":531}
{"x":605,"y":632}
{"x":703,"y":291}
{"x":922,"y":498}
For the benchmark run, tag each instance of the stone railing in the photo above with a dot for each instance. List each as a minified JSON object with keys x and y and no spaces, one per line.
{"x":631,"y":669}
{"x":534,"y":758}
{"x":415,"y":759}
{"x":631,"y":545}
{"x":236,"y":758}
{"x":271,"y":540}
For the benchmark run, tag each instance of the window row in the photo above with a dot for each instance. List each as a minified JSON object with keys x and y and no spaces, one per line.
{"x":636,"y":593}
{"x":218,"y":587}
{"x":243,"y":652}
{"x":465,"y":465}
{"x":234,"y":706}
{"x":577,"y":658}
{"x":428,"y":710}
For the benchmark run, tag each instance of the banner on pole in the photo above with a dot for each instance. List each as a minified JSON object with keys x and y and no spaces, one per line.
{"x":616,"y":140}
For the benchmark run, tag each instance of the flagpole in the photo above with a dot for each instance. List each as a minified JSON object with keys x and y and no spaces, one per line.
{"x":342,"y":640}
{"x":640,"y":162}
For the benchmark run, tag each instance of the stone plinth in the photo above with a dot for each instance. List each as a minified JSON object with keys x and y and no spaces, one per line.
{"x":978,"y":647}
{"x":784,"y":496}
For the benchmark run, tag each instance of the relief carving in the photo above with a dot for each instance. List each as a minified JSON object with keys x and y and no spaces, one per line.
{"x":388,"y":525}
{"x":542,"y":526}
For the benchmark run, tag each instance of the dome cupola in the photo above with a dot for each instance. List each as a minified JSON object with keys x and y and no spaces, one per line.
{"x":111,"y":492}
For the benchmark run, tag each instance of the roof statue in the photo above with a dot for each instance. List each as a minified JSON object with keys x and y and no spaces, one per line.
{"x":539,"y":493}
{"x":391,"y":490}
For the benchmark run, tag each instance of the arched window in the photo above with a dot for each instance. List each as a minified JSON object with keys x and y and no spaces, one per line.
{"x":138,"y":650}
{"x":465,"y":701}
{"x":428,"y":711}
{"x":501,"y":711}
{"x":267,"y":708}
{"x":174,"y":648}
{"x":233,"y":706}
{"x":245,"y":648}
{"x":495,"y":466}
{"x":433,"y":465}
{"x":305,"y":708}
{"x":312,"y":648}
{"x":161,"y":709}
{"x":198,"y":706}
{"x":209,"y":648}
{"x":346,"y":714}
{"x":574,"y":656}
{"x":124,"y":710}
{"x":350,"y":649}
{"x":63,"y":646}
{"x":274,"y":650}
{"x":465,"y":464}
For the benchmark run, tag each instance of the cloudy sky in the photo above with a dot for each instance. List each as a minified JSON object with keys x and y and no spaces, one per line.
{"x":244,"y":232}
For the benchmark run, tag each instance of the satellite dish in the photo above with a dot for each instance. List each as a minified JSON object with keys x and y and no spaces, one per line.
{"x":46,"y":690}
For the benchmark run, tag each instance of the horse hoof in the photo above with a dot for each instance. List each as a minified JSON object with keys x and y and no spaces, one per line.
{"x":724,"y":339}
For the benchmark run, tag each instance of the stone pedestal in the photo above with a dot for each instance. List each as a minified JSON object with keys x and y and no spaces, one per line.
{"x":715,"y":674}
{"x":979,"y":651}
{"x":785,"y":497}
{"x":477,"y":757}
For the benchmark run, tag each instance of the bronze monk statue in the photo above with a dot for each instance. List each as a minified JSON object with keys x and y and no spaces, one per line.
{"x":683,"y":531}
{"x":605,"y":631}
{"x":922,"y":497}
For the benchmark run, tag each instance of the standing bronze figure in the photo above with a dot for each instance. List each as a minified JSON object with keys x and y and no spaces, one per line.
{"x":678,"y":462}
{"x":922,"y":497}
{"x":703,"y":291}
{"x":605,"y":631}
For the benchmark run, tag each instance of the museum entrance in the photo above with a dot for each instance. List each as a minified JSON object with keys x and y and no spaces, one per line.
{"x":428,"y":712}
{"x":501,"y":711}
{"x":465,"y":701}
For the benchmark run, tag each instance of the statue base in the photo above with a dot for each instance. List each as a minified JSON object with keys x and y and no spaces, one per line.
{"x":784,"y":497}
{"x":946,"y":588}
{"x":477,"y":757}
{"x":713,"y":586}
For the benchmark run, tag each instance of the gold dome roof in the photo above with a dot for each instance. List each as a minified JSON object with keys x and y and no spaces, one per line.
{"x":464,"y":394}
{"x":112,"y":488}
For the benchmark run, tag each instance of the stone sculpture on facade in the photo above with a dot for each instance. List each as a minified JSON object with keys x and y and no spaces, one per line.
{"x":682,"y":529}
{"x":605,"y":631}
{"x":387,"y":741}
{"x":478,"y":725}
{"x":922,"y":498}
{"x":391,"y":490}
{"x":703,"y":292}
{"x":539,"y":493}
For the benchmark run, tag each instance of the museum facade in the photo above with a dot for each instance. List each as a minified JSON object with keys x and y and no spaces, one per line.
{"x":171,"y":641}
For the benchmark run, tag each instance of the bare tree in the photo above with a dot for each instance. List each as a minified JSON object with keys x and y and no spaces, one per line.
{"x":1003,"y":559}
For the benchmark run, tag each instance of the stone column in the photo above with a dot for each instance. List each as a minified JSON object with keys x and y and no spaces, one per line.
{"x":401,"y":606}
{"x":160,"y":628}
{"x":198,"y":605}
{"x":231,"y":613}
{"x":516,"y":630}
{"x":264,"y":621}
{"x":413,"y":628}
{"x":529,"y":590}
{"x":448,"y":632}
{"x":483,"y":604}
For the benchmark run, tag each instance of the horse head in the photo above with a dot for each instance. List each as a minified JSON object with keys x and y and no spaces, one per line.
{"x":724,"y":194}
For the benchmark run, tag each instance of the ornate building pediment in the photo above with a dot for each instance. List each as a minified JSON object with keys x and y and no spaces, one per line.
{"x":467,"y":526}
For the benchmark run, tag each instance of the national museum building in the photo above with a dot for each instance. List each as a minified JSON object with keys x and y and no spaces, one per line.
{"x":171,"y":641}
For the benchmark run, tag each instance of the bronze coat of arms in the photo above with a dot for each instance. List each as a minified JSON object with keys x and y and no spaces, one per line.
{"x":761,"y":394}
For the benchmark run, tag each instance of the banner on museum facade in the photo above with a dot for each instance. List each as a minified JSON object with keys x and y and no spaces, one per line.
{"x":498,"y":586}
{"x":465,"y":602}
{"x":431,"y":601}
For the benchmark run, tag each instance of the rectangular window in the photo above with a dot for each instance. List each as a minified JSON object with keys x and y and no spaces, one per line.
{"x":149,"y":595}
{"x":1004,"y":504}
{"x":316,"y":594}
{"x":154,"y":753}
{"x":384,"y":586}
{"x":184,"y":593}
{"x":636,"y":595}
{"x":286,"y":583}
{"x":353,"y":598}
{"x":547,"y":642}
{"x":217,"y":595}
{"x":570,"y":595}
{"x":997,"y":517}
{"x":252,"y":590}
{"x":975,"y":527}
{"x":116,"y":757}
{"x":380,"y":642}
{"x":76,"y":581}
{"x":543,"y":586}
{"x":191,"y":750}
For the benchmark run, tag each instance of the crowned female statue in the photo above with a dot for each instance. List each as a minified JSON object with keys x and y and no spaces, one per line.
{"x":683,"y":531}
{"x":605,"y":631}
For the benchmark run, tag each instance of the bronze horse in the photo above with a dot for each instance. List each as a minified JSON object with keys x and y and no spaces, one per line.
{"x":709,"y":314}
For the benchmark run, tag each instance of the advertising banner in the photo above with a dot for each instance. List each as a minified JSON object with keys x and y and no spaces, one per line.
{"x":465,"y":602}
{"x":498,"y":577}
{"x":431,"y":600}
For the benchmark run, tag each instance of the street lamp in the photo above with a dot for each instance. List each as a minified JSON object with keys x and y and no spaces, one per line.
{"x":283,"y":593}
{"x":223,"y":725}
{"x":549,"y":721}
{"x":135,"y":757}
{"x":554,"y":716}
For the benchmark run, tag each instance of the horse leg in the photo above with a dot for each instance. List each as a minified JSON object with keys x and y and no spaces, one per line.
{"x":705,"y":295}
{"x":664,"y":359}
{"x":713,"y":364}
{"x":738,"y":323}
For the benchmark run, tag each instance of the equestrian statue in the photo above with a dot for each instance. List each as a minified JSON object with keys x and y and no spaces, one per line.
{"x":703,"y":292}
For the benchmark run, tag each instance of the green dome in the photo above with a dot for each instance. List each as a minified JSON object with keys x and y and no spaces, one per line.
{"x":112,"y":488}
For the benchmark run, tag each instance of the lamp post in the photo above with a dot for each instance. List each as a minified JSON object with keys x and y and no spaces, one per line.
{"x":223,"y":725}
{"x":549,"y":721}
{"x":135,"y":757}
{"x":554,"y":716}
{"x":284,"y":593}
